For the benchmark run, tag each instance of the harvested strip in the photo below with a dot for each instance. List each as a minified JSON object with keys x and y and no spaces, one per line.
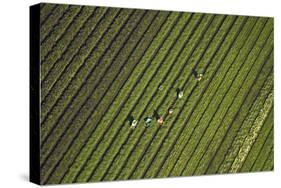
{"x":240,"y":137}
{"x":104,"y":68}
{"x":218,"y":138}
{"x":241,"y":82}
{"x":218,"y":72}
{"x":232,"y":128}
{"x":252,"y":135}
{"x":253,"y":155}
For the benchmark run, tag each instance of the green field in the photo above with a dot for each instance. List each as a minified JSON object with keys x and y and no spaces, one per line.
{"x":103,"y":67}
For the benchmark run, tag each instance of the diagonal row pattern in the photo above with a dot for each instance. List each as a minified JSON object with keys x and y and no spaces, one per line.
{"x":102,"y":67}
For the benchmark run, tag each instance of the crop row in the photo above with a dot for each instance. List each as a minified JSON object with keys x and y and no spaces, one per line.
{"x":169,"y":137}
{"x":101,"y":76}
{"x":155,"y":62}
{"x":99,"y":70}
{"x":52,"y":20}
{"x":59,"y":29}
{"x":252,"y":135}
{"x":174,"y":66}
{"x":201,"y":57}
{"x":173,"y":137}
{"x":230,"y":125}
{"x":45,"y":12}
{"x":107,"y":102}
{"x":217,"y":70}
{"x":139,"y":70}
{"x":152,"y":104}
{"x":240,"y":78}
{"x":191,"y":162}
{"x":239,"y":139}
{"x":231,"y":137}
{"x":121,"y":75}
{"x":60,"y":61}
{"x":102,"y":71}
{"x":217,"y":140}
{"x":266,"y":152}
{"x":62,"y":75}
{"x":72,"y":84}
{"x":269,"y":161}
{"x":260,"y":142}
{"x":56,"y":46}
{"x":242,"y":131}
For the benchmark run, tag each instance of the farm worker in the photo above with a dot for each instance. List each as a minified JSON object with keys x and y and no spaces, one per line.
{"x":134,"y":124}
{"x":148,"y":121}
{"x":180,"y":94}
{"x":161,"y":120}
{"x":199,"y":77}
{"x":171,"y":111}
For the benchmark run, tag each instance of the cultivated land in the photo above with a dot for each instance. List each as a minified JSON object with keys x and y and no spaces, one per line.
{"x":103,"y":67}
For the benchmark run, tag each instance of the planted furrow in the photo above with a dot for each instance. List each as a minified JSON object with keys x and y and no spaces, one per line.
{"x":232,"y":152}
{"x":126,"y":91}
{"x":227,"y":126}
{"x":100,"y":150}
{"x":77,"y":147}
{"x":203,"y":55}
{"x":62,"y":60}
{"x":218,"y":137}
{"x":237,"y":92}
{"x":114,"y":86}
{"x":235,"y":126}
{"x":54,"y":18}
{"x":107,"y":161}
{"x":266,"y":154}
{"x":103,"y":70}
{"x":57,"y":45}
{"x":179,"y":59}
{"x":259,"y":144}
{"x":159,"y":155}
{"x":46,"y":12}
{"x":130,"y":140}
{"x":226,"y":42}
{"x":59,"y":30}
{"x":219,"y":68}
{"x":63,"y":98}
{"x":252,"y":135}
{"x":242,"y":131}
{"x":269,"y":162}
{"x":197,"y":114}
